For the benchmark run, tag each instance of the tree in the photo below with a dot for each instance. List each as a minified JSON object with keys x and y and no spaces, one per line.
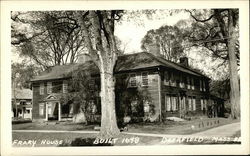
{"x":98,"y":31}
{"x":218,"y":32}
{"x":168,"y":39}
{"x":49,"y":38}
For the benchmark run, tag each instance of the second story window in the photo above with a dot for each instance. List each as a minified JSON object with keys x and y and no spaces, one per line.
{"x":181,"y":82}
{"x":172,"y":80}
{"x":166,"y":78}
{"x":144,"y":77}
{"x":65,"y":86}
{"x":201,"y":85}
{"x":41,"y":88}
{"x":132,"y":80}
{"x":49,"y":87}
{"x":192,"y":83}
{"x":188,"y":83}
{"x":204,"y":86}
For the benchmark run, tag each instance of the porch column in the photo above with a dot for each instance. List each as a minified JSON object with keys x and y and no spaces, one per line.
{"x":46,"y":111}
{"x":59,"y":111}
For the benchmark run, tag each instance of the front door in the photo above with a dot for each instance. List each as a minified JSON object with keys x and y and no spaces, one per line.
{"x":52,"y":110}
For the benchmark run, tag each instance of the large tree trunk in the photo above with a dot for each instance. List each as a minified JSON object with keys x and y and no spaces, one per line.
{"x":234,"y":82}
{"x":108,"y":121}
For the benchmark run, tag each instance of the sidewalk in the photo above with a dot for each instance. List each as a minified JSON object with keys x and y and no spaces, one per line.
{"x":222,"y":131}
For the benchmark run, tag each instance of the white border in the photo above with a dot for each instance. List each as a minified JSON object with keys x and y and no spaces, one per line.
{"x":7,"y":6}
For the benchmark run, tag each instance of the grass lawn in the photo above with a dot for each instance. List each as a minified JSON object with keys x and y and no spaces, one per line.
{"x":80,"y":139}
{"x":66,"y":139}
{"x":168,"y":127}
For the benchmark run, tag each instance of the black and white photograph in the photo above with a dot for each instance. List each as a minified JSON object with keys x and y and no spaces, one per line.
{"x":127,"y":77}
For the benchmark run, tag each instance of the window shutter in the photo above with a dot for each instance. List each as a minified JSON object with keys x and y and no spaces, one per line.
{"x":144,"y":78}
{"x":41,"y":88}
{"x":194,"y":104}
{"x":49,"y":87}
{"x":65,"y":86}
{"x":132,"y":80}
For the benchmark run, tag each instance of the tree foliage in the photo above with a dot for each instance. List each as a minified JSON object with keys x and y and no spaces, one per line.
{"x":49,"y":38}
{"x":168,"y":39}
{"x":21,"y":74}
{"x":218,"y":31}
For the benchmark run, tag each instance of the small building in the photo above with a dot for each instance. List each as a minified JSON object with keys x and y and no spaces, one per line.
{"x":22,"y":103}
{"x":148,"y":88}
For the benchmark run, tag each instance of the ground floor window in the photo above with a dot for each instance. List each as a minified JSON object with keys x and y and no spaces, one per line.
{"x":171,"y":103}
{"x":191,"y":103}
{"x":41,"y":108}
{"x":203,"y":104}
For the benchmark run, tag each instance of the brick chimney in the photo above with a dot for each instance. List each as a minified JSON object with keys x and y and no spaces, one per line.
{"x":82,"y":58}
{"x":184,"y":61}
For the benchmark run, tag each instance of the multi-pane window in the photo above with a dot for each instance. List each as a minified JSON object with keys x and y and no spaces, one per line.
{"x":65,"y":86}
{"x":194,"y":104}
{"x":171,"y":103}
{"x":181,"y":82}
{"x":204,"y":86}
{"x":202,"y":104}
{"x":188,"y":83}
{"x":41,"y":108}
{"x":167,"y":103}
{"x":41,"y":88}
{"x":191,"y":103}
{"x":49,"y":87}
{"x":192,"y":83}
{"x":132,"y":80}
{"x":172,"y":80}
{"x":144,"y":77}
{"x":166,"y":78}
{"x":201,"y":85}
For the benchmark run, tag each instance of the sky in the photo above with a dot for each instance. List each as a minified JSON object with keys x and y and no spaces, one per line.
{"x":131,"y":34}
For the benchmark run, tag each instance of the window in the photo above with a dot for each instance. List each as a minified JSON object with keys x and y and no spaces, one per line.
{"x":181,"y":82}
{"x":205,"y":104}
{"x":65,"y":86}
{"x":192,"y":83}
{"x":166,"y":78}
{"x":132,"y":80}
{"x":41,"y":109}
{"x":171,"y":103}
{"x":174,"y":103}
{"x":201,"y":85}
{"x":167,"y":103}
{"x":144,"y":77}
{"x":194,"y":104}
{"x":189,"y":103}
{"x":204,"y":86}
{"x":188,"y":83}
{"x":49,"y":87}
{"x":41,"y":88}
{"x":202,"y":104}
{"x":172,"y":80}
{"x":49,"y":107}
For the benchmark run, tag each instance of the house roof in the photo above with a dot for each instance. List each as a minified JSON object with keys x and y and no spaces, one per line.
{"x":128,"y":62}
{"x":22,"y":94}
